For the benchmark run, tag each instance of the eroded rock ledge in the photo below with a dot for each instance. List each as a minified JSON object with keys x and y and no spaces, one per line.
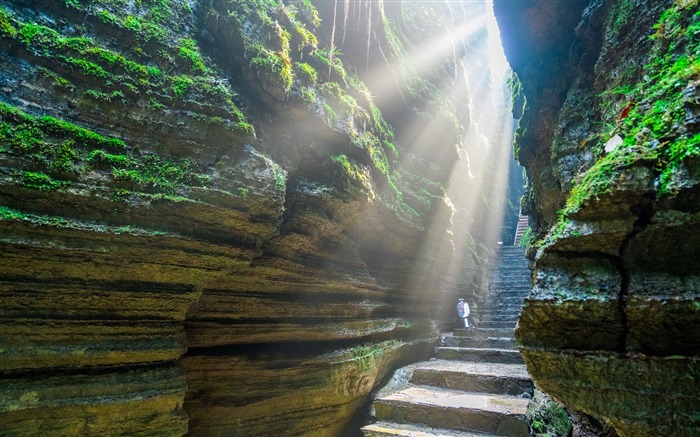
{"x":610,"y":139}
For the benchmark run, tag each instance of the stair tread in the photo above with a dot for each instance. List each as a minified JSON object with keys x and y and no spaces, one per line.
{"x":474,"y":368}
{"x":409,"y":430}
{"x":485,"y":332}
{"x":457,"y":399}
{"x":480,"y":349}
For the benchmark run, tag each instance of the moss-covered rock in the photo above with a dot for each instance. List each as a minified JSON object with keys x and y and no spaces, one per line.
{"x":188,"y":185}
{"x":613,"y":172}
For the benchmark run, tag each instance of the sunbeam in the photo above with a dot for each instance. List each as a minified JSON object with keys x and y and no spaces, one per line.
{"x":475,"y":152}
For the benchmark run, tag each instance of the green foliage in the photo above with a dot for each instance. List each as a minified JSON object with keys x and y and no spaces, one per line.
{"x":180,"y":85}
{"x":6,"y":27}
{"x":48,"y":124}
{"x":89,"y":68}
{"x":551,"y":419}
{"x":272,"y":64}
{"x":528,"y":238}
{"x":189,"y":52}
{"x":331,"y":115}
{"x":100,"y":157}
{"x":150,"y":173}
{"x":678,"y":151}
{"x":155,"y":104}
{"x":330,"y":57}
{"x":58,"y":81}
{"x":306,"y":73}
{"x":40,"y":181}
{"x":620,"y":14}
{"x":44,"y":220}
{"x":354,"y":171}
{"x":10,"y":214}
{"x":105,"y":97}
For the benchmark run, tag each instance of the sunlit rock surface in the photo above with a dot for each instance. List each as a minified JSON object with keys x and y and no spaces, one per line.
{"x":207,"y":226}
{"x":611,"y":327}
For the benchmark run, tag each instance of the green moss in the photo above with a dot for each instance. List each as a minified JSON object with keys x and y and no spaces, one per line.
{"x":121,"y":78}
{"x":105,"y":97}
{"x":188,"y":51}
{"x":654,"y":131}
{"x":50,"y":220}
{"x":306,"y":73}
{"x":528,"y":238}
{"x":620,"y":14}
{"x":48,"y":124}
{"x":330,"y":58}
{"x":155,"y":104}
{"x":6,"y":27}
{"x":181,"y":84}
{"x":678,"y":152}
{"x":552,"y":420}
{"x":330,"y":113}
{"x":40,"y":181}
{"x":271,"y":64}
{"x":100,"y":157}
{"x":11,"y":214}
{"x":65,"y":150}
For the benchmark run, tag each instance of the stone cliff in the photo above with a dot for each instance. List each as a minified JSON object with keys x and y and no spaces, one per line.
{"x":207,"y":225}
{"x":610,"y":138}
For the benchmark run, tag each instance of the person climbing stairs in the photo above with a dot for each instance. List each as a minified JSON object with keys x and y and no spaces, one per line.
{"x":477,"y":385}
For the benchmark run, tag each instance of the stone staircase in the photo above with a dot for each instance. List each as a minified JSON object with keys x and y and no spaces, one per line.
{"x":523,"y":223}
{"x":478,"y":384}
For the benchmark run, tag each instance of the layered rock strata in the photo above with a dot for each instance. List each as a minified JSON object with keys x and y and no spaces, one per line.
{"x":206,"y":224}
{"x":610,"y":139}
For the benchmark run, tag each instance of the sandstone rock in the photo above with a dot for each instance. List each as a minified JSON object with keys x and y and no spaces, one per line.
{"x":205,"y":215}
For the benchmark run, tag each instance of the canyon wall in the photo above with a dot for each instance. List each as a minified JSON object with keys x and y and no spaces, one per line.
{"x":207,"y":226}
{"x":610,"y":138}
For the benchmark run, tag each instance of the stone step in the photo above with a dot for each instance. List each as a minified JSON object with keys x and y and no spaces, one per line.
{"x":484,"y":323}
{"x":497,"y":305}
{"x":493,"y":310}
{"x":489,"y":342}
{"x":498,"y":318}
{"x":439,"y":407}
{"x":391,"y":429}
{"x":498,"y":324}
{"x":515,"y":300}
{"x":506,"y":379}
{"x":479,"y":355}
{"x":511,"y":272}
{"x":520,"y":291}
{"x":512,"y":288}
{"x":484,"y":332}
{"x":511,"y":285}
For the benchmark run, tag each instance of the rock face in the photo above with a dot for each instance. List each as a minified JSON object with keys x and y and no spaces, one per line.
{"x":206,"y":224}
{"x":610,"y":140}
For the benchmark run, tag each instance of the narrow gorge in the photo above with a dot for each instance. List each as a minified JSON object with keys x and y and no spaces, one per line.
{"x":239,"y":217}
